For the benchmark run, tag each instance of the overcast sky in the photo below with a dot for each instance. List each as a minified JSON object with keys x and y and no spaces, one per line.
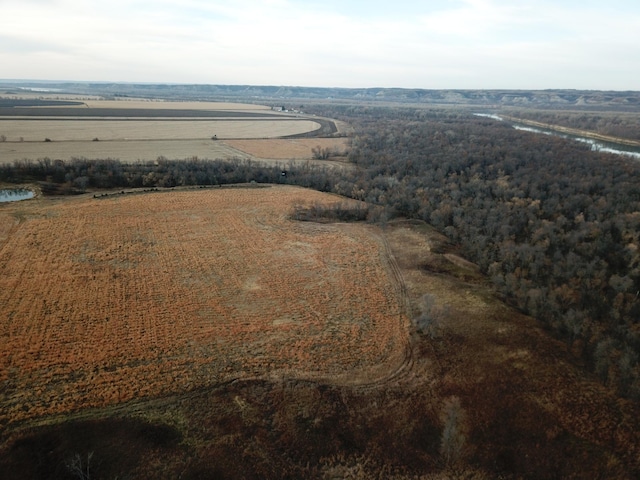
{"x":527,"y":44}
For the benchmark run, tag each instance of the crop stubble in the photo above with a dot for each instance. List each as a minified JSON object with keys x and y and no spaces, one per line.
{"x":104,"y":301}
{"x":134,"y":131}
{"x":132,"y":141}
{"x":152,"y":129}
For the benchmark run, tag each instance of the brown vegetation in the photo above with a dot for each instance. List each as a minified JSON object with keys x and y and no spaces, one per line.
{"x":484,"y":391}
{"x":491,"y":397}
{"x":289,"y":149}
{"x":104,"y":301}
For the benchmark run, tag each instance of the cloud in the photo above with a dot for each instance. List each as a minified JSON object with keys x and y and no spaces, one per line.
{"x":453,"y":44}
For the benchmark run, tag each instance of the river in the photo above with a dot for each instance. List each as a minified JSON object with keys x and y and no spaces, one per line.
{"x":596,"y":145}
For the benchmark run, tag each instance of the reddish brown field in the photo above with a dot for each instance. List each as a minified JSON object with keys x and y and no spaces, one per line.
{"x":107,"y":300}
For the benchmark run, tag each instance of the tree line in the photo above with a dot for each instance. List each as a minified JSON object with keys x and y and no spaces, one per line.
{"x":78,"y":175}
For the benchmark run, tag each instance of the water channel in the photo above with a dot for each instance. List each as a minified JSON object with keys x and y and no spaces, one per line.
{"x":596,"y":145}
{"x":15,"y":194}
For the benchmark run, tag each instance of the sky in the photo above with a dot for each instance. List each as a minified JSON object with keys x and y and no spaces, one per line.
{"x":456,"y":44}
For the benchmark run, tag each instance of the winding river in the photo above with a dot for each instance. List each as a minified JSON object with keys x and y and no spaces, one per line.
{"x":596,"y":145}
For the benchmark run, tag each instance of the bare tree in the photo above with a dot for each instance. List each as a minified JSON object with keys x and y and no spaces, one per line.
{"x":454,"y":432}
{"x":79,"y":468}
{"x":431,"y":315}
{"x":320,"y":153}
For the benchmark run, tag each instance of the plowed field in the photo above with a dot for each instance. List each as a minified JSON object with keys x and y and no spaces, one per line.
{"x":107,"y":300}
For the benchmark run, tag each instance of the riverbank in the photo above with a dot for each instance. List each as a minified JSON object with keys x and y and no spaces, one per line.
{"x":573,"y":131}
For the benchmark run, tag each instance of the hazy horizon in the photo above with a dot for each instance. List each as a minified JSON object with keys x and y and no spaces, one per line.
{"x":46,"y":81}
{"x":457,"y":44}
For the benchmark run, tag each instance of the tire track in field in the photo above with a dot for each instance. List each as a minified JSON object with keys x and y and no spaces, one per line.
{"x":403,"y":372}
{"x":17,"y":222}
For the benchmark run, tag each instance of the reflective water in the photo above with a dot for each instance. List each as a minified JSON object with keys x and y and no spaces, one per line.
{"x":15,"y":194}
{"x":596,"y":145}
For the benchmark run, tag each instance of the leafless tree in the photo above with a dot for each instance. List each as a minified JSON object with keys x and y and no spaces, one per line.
{"x":454,"y":432}
{"x":431,"y":315}
{"x":78,"y":467}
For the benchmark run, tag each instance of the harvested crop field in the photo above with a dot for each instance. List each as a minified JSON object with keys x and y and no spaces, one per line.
{"x":140,"y":295}
{"x":131,"y":141}
{"x":133,"y":130}
{"x":176,"y":105}
{"x":156,"y":129}
{"x":129,"y":151}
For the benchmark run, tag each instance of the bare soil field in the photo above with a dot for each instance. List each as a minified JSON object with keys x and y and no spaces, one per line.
{"x":103,"y":301}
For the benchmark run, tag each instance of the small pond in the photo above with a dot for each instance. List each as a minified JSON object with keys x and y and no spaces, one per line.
{"x":15,"y":194}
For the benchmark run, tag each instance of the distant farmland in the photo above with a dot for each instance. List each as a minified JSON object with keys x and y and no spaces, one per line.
{"x":156,"y":129}
{"x":139,"y":131}
{"x":107,"y":300}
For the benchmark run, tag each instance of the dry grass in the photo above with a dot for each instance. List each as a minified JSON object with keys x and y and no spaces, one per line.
{"x":104,"y":301}
{"x":512,"y":376}
{"x":128,"y":151}
{"x":288,"y":149}
{"x":531,"y":410}
{"x":7,"y":224}
{"x":131,"y":151}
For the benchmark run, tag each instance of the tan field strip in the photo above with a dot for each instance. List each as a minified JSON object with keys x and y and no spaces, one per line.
{"x":108,"y":300}
{"x":157,"y":104}
{"x":128,"y":151}
{"x":155,"y":129}
{"x":288,"y":149}
{"x":132,"y":151}
{"x":145,"y":138}
{"x":90,"y":101}
{"x":137,"y":140}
